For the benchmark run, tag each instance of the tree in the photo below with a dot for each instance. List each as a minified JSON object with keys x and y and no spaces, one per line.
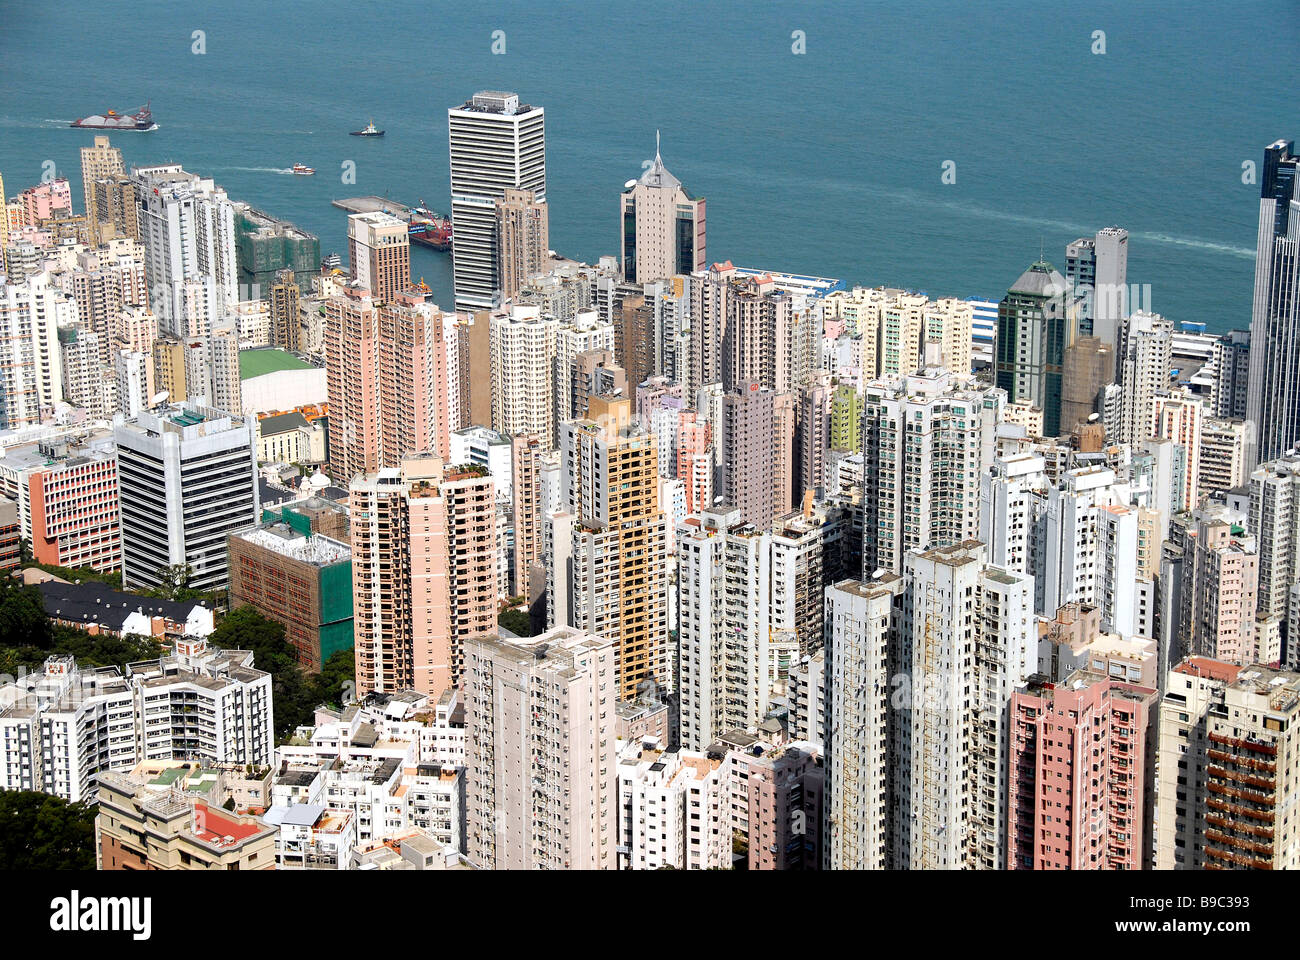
{"x":336,"y":681}
{"x":296,"y":693}
{"x":23,"y":622}
{"x":516,"y":621}
{"x":41,"y":832}
{"x":175,"y":581}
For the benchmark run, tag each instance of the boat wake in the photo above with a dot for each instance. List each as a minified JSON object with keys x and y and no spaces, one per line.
{"x":280,"y":170}
{"x":974,"y":210}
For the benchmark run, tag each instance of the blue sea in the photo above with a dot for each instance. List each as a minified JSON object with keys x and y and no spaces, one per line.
{"x":826,"y":162}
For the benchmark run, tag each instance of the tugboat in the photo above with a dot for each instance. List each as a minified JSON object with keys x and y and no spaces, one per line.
{"x":112,"y":120}
{"x":369,"y":131}
{"x":303,"y":170}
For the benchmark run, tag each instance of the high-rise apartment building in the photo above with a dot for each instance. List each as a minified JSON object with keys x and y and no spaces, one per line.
{"x":1227,"y":768}
{"x":1220,"y":580}
{"x":926,"y":440}
{"x":523,"y":352}
{"x":1275,"y":522}
{"x":542,"y":779}
{"x":104,"y":282}
{"x":1224,"y":446}
{"x":662,"y":227}
{"x":98,"y":162}
{"x":523,"y":239}
{"x":31,"y":368}
{"x":497,"y":144}
{"x":1273,"y":402}
{"x":1145,"y":357}
{"x":115,"y":205}
{"x":581,"y":344}
{"x":609,"y":567}
{"x":424,"y":572}
{"x":187,"y":478}
{"x":748,"y":452}
{"x":285,"y":324}
{"x":931,"y":745}
{"x":860,"y":626}
{"x":526,"y":452}
{"x":392,"y":379}
{"x":749,"y":605}
{"x":770,"y":336}
{"x":1081,"y":780}
{"x":634,"y":339}
{"x":892,"y":328}
{"x":1179,"y":417}
{"x":379,"y":252}
{"x":187,"y":226}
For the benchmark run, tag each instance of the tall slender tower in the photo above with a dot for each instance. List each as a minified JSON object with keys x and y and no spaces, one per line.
{"x":422,"y":582}
{"x":1273,"y":401}
{"x":391,"y":382}
{"x":613,"y":566}
{"x":285,"y":326}
{"x":523,"y":239}
{"x":1036,"y":323}
{"x":662,"y":226}
{"x":187,"y":226}
{"x":97,"y":163}
{"x":497,"y":144}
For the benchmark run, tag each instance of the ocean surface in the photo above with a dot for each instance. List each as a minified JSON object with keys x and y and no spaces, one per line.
{"x":828,"y":162}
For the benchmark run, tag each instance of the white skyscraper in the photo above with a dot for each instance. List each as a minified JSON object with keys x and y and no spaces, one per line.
{"x":932,"y":748}
{"x":31,"y":365}
{"x":860,"y":624}
{"x":1144,"y":360}
{"x":497,"y":143}
{"x":926,"y":441}
{"x":967,"y":640}
{"x":1275,"y":522}
{"x":187,"y":226}
{"x":522,"y":346}
{"x":1010,"y":491}
{"x":542,"y":784}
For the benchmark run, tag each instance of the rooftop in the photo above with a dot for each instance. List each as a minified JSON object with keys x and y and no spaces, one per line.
{"x":256,"y":363}
{"x":96,"y":602}
{"x":280,"y":538}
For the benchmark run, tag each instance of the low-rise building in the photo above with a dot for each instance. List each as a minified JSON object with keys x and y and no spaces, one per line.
{"x":148,"y":820}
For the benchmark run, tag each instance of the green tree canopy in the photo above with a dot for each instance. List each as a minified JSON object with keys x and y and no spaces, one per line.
{"x":296,"y":693}
{"x":41,"y":832}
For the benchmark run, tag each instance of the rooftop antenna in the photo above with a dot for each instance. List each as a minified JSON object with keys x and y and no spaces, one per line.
{"x":657,"y":159}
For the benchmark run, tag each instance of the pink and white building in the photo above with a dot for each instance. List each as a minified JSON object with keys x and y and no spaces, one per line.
{"x":1081,"y":766}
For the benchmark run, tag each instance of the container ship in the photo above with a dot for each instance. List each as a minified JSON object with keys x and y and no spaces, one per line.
{"x":429,"y":229}
{"x":142,"y":120}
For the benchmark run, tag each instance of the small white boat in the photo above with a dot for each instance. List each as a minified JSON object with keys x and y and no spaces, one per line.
{"x":302,"y":170}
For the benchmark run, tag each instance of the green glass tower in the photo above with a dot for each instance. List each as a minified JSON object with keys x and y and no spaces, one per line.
{"x":1037,"y":320}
